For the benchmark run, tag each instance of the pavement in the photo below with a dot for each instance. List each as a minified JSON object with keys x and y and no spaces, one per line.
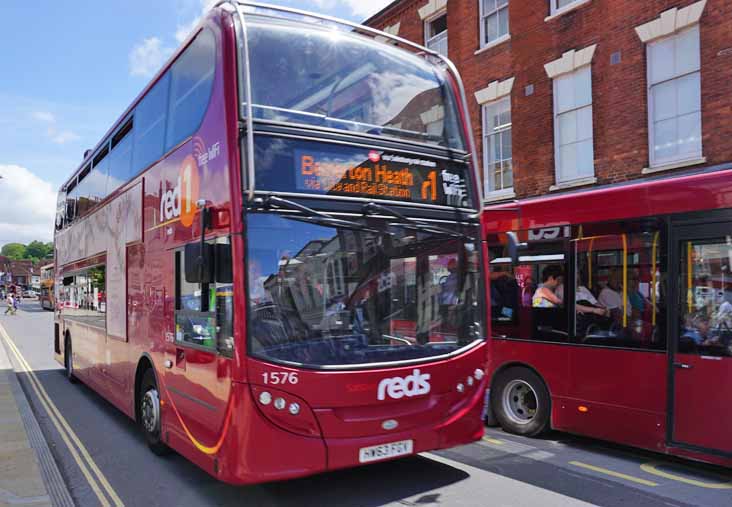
{"x":21,"y":482}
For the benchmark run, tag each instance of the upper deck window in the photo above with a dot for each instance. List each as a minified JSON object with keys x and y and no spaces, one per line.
{"x":190,"y":88}
{"x":326,"y":78}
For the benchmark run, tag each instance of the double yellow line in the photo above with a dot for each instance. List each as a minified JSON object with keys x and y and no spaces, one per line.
{"x":96,"y":479}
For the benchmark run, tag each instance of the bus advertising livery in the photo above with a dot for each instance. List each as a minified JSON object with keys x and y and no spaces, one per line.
{"x":273,"y":261}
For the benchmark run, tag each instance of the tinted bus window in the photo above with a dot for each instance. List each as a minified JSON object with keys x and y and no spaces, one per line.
{"x":190,"y":88}
{"x":82,"y":192}
{"x":96,"y":180}
{"x":526,"y":299}
{"x":338,"y":80}
{"x":620,"y":269}
{"x":120,"y":162}
{"x":150,"y":125}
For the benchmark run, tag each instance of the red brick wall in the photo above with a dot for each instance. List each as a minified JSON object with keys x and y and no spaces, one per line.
{"x":620,"y":117}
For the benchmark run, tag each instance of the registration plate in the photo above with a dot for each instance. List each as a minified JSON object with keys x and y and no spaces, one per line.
{"x":384,"y":451}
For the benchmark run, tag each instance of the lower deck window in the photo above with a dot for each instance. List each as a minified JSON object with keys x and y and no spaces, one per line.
{"x":83,"y":296}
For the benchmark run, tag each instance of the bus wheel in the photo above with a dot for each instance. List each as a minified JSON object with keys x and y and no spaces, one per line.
{"x":69,"y":361}
{"x":521,"y":402}
{"x":149,"y":400}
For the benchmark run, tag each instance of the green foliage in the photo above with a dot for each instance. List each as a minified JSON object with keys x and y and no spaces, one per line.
{"x":36,"y":250}
{"x":15,"y":251}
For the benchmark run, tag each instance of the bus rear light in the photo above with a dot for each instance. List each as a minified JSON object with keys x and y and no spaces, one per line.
{"x":583,"y":409}
{"x":298,"y":418}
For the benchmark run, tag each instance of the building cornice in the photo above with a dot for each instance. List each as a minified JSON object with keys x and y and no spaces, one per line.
{"x":494,"y":91}
{"x":671,"y":21}
{"x":570,"y":61}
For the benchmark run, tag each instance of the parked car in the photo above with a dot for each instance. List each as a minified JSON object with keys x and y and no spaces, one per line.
{"x":29,"y":293}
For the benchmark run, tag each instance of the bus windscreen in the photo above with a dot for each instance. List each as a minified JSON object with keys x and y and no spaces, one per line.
{"x":324,"y":296}
{"x":334,"y":79}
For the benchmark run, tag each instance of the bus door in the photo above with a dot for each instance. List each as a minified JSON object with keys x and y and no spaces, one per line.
{"x":701,"y":357}
{"x":198,"y":350}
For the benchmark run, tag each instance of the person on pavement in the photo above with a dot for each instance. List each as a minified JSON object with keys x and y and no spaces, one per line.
{"x":11,"y":304}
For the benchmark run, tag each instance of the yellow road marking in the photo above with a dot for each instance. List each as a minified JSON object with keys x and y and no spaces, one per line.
{"x":67,"y":434}
{"x":492,"y":441}
{"x":651,"y":469}
{"x":612,"y":473}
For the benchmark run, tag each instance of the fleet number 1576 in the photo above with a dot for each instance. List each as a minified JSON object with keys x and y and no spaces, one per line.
{"x":280,"y":377}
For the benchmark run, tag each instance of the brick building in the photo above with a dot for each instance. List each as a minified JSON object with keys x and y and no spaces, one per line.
{"x":575,"y":93}
{"x":24,"y":273}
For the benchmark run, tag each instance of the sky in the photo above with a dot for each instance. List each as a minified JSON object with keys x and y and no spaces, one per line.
{"x":69,"y":69}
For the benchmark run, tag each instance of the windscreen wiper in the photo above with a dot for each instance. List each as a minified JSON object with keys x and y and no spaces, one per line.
{"x":412,"y":223}
{"x":312,"y":215}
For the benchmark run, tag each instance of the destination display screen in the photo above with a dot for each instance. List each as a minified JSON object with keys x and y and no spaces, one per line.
{"x":318,"y":168}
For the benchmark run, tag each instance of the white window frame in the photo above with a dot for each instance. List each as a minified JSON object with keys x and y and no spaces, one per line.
{"x":439,"y":37}
{"x":487,"y":166}
{"x":554,"y":10}
{"x":581,"y":179}
{"x":481,"y":21}
{"x":679,"y":159}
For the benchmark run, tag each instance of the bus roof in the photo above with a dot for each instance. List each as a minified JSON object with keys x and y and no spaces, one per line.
{"x":257,"y":8}
{"x":710,"y":188}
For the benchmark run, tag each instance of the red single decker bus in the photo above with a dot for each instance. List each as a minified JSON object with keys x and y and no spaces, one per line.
{"x":611,"y":314}
{"x":273,"y":260}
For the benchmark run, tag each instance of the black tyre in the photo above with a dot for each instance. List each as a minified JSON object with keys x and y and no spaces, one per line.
{"x":521,"y":402}
{"x":489,"y":417}
{"x":69,"y":361}
{"x":149,"y":407}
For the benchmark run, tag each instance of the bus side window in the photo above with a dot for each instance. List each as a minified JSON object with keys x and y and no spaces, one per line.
{"x":149,"y":131}
{"x":620,"y":270}
{"x":191,"y":82}
{"x":204,"y":312}
{"x":524,"y":305}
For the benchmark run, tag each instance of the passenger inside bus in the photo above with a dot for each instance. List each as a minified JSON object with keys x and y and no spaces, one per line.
{"x":504,"y":294}
{"x":544,"y":297}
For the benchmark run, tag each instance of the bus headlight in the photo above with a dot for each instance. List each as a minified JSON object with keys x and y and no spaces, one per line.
{"x":265,"y":398}
{"x":298,"y":417}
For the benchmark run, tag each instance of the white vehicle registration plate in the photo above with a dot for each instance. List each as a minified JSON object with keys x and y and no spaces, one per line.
{"x":384,"y":451}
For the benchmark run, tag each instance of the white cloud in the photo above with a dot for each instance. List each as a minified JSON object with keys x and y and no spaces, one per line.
{"x":58,"y":136}
{"x":183,"y":30}
{"x":63,"y":137}
{"x":44,"y":116}
{"x":30,"y":206}
{"x":148,"y":57}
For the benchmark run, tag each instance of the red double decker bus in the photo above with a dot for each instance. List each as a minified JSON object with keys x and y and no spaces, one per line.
{"x":611,"y":314}
{"x":272,"y":261}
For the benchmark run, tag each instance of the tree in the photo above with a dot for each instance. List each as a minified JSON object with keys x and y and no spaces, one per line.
{"x":14,"y":251}
{"x":36,"y":250}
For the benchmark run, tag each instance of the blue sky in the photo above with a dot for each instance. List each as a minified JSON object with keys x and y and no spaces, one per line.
{"x":69,"y":69}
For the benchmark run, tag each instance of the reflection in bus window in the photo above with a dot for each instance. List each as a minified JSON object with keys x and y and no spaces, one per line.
{"x":83,"y":296}
{"x":327,"y":296}
{"x":344,"y":81}
{"x":705,"y":298}
{"x":204,"y":312}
